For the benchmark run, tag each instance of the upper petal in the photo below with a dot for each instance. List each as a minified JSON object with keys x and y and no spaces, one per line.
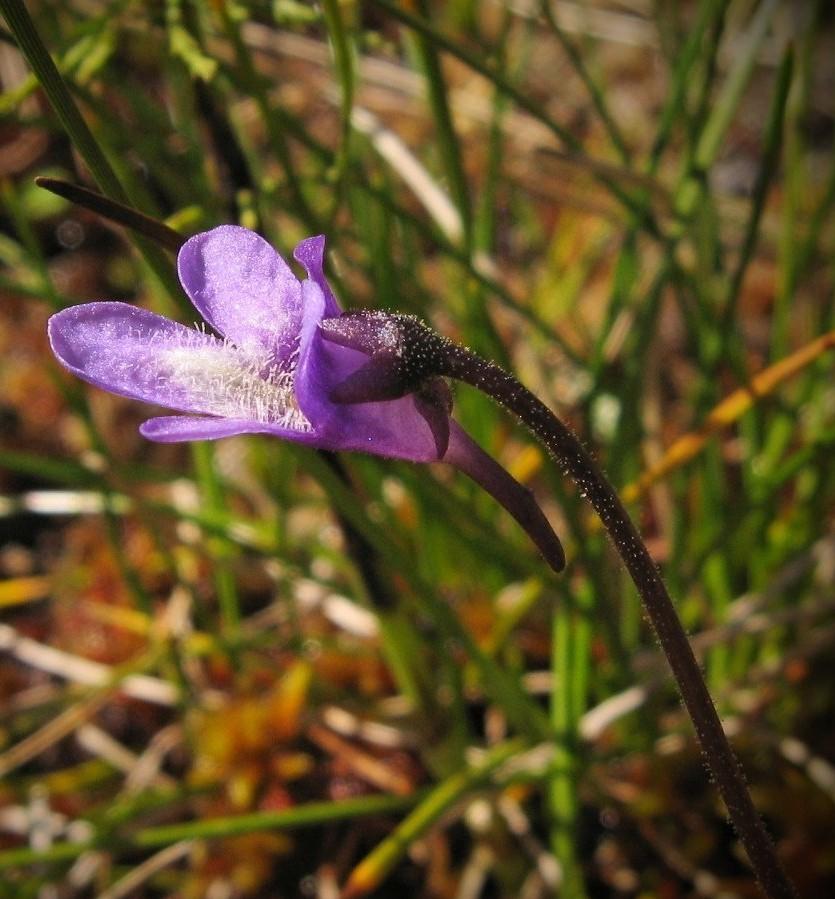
{"x":394,"y":428}
{"x":242,"y":287}
{"x":136,"y":353}
{"x":311,"y":254}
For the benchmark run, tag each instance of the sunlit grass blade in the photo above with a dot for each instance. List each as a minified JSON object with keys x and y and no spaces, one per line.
{"x":570,"y":666}
{"x":730,"y":410}
{"x":68,"y":114}
{"x":214,"y":502}
{"x":345,"y":63}
{"x":272,"y":116}
{"x":566,"y":137}
{"x":441,"y":114}
{"x":372,"y":871}
{"x":722,"y":112}
{"x":307,"y":815}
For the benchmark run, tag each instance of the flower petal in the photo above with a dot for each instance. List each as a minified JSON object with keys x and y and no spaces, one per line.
{"x":121,"y":348}
{"x":242,"y":287}
{"x":376,"y":380}
{"x":311,"y":254}
{"x":434,"y":403}
{"x":136,"y":353}
{"x":179,"y":428}
{"x":394,"y":428}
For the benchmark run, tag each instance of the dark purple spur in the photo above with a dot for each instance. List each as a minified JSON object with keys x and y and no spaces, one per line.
{"x":269,"y":370}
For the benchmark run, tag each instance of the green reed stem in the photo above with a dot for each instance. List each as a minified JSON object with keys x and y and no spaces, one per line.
{"x":307,"y":815}
{"x":722,"y":112}
{"x":595,"y":93}
{"x":370,"y":873}
{"x":212,"y":497}
{"x":446,"y":136}
{"x":345,"y":61}
{"x":54,"y":86}
{"x":570,"y":662}
{"x":772,"y":144}
{"x":566,"y":137}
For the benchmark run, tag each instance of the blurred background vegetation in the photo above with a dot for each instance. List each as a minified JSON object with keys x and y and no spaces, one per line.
{"x":630,"y":203}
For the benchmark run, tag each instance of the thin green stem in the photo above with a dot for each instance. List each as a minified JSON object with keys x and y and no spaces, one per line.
{"x":637,"y":209}
{"x":308,"y":815}
{"x":569,"y":665}
{"x":722,"y":112}
{"x":442,"y":115}
{"x":253,"y":84}
{"x":707,"y":13}
{"x":345,"y":60}
{"x":359,"y":548}
{"x":213,"y":502}
{"x":771,"y":155}
{"x":596,"y":94}
{"x":370,"y":873}
{"x":54,"y":86}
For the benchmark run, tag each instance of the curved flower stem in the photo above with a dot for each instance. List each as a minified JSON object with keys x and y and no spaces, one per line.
{"x":458,"y":362}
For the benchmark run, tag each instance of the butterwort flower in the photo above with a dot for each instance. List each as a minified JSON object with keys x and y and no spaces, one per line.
{"x":265,"y":367}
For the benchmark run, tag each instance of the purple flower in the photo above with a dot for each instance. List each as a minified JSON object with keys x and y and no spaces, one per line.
{"x":268,"y":372}
{"x":267,"y":369}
